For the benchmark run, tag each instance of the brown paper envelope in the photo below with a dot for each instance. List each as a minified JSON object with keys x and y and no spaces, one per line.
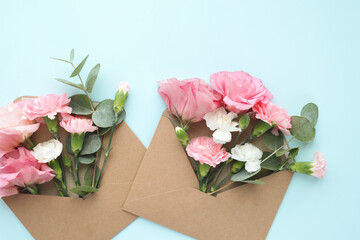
{"x":100,"y":216}
{"x":166,"y":191}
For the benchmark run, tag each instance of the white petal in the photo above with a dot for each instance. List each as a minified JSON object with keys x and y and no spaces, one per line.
{"x":222,"y":137}
{"x":211,"y":119}
{"x":252,"y":166}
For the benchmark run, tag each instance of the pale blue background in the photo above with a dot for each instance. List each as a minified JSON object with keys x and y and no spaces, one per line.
{"x":303,"y":51}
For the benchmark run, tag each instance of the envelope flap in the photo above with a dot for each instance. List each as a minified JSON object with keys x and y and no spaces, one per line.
{"x":165,"y":166}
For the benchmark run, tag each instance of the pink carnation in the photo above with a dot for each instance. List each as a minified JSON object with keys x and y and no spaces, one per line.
{"x":19,"y":168}
{"x":240,"y":91}
{"x":14,"y":128}
{"x":78,"y":125}
{"x":47,"y":106}
{"x":319,"y":165}
{"x":205,"y":150}
{"x":123,"y":86}
{"x":274,"y":115}
{"x":189,"y":99}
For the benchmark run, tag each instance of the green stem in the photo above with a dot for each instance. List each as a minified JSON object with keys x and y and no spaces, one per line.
{"x":76,"y":160}
{"x":58,"y":188}
{"x":222,"y":181}
{"x":33,"y":190}
{"x":73,"y":176}
{"x":277,"y":150}
{"x":107,"y":153}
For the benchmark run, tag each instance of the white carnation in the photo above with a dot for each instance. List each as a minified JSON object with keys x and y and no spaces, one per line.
{"x":46,"y":151}
{"x":248,"y":153}
{"x":221,"y":122}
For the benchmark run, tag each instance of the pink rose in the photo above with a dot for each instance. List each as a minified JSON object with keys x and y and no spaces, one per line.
{"x":78,"y":125}
{"x":14,"y":127}
{"x":47,"y":106}
{"x":240,"y":91}
{"x":319,"y":165}
{"x":20,"y":168}
{"x":190,"y":99}
{"x":274,"y":115}
{"x":205,"y":150}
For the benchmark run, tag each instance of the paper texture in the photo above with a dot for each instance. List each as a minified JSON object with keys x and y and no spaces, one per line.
{"x":100,"y":216}
{"x":165,"y":191}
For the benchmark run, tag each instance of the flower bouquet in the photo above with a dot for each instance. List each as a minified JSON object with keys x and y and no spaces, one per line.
{"x":56,"y":152}
{"x":227,"y":165}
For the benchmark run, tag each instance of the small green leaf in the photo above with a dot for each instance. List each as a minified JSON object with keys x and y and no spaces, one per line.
{"x":72,"y":54}
{"x":83,"y":190}
{"x":91,"y":79}
{"x":244,"y":121}
{"x":103,"y":131}
{"x":302,"y":129}
{"x":68,"y":145}
{"x":104,"y":115}
{"x":87,"y":159}
{"x":62,"y":60}
{"x":311,"y":112}
{"x":273,"y":163}
{"x":80,"y":104}
{"x":293,"y":152}
{"x":79,"y":67}
{"x":75,"y":85}
{"x":260,"y":128}
{"x":273,"y":142}
{"x":92,"y":144}
{"x":89,"y":175}
{"x":281,"y":152}
{"x":257,"y":181}
{"x":243,"y":175}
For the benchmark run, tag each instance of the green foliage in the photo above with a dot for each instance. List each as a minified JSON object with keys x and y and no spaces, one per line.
{"x":86,"y":159}
{"x":302,"y":129}
{"x":244,"y":121}
{"x":75,"y":85}
{"x":311,"y":112}
{"x":273,"y":142}
{"x":103,"y":131}
{"x":260,"y":128}
{"x":79,"y":67}
{"x":89,"y":175}
{"x":293,"y":152}
{"x":243,"y":175}
{"x":80,"y":104}
{"x":83,"y":190}
{"x":92,"y":144}
{"x":273,"y":163}
{"x":104,"y":115}
{"x":257,"y":181}
{"x":91,"y":79}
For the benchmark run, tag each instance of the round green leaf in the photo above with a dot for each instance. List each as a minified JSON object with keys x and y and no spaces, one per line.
{"x":273,"y":142}
{"x":89,"y":175}
{"x":103,"y":131}
{"x":243,"y":175}
{"x":273,"y":163}
{"x":302,"y":129}
{"x":80,"y":104}
{"x":92,"y":144}
{"x":104,"y":115}
{"x":311,"y":112}
{"x":87,"y":159}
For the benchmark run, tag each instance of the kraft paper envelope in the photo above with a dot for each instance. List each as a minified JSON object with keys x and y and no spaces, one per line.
{"x":100,"y":216}
{"x":166,"y":191}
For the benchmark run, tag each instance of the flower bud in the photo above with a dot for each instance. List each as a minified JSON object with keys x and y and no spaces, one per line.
{"x":237,"y":166}
{"x":260,"y":128}
{"x":182,"y":136}
{"x":203,"y":170}
{"x":244,"y":121}
{"x":302,"y":167}
{"x":316,"y":168}
{"x":52,"y":124}
{"x":55,"y":165}
{"x":77,"y":140}
{"x":68,"y":162}
{"x":121,"y":96}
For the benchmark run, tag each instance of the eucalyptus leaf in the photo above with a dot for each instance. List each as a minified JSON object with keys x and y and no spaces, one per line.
{"x":92,"y":144}
{"x":273,"y":163}
{"x":281,"y":152}
{"x":75,"y":85}
{"x":103,"y":131}
{"x":72,"y":54}
{"x":83,"y":190}
{"x":80,"y":104}
{"x":273,"y":142}
{"x":86,"y":159}
{"x":257,"y":181}
{"x":311,"y":112}
{"x":293,"y":152}
{"x":79,"y":67}
{"x":243,"y":175}
{"x":91,"y":79}
{"x":302,"y":129}
{"x":88,"y":179}
{"x":104,"y":115}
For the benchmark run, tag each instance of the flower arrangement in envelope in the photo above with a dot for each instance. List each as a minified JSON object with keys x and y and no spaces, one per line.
{"x":220,"y":161}
{"x":58,"y":147}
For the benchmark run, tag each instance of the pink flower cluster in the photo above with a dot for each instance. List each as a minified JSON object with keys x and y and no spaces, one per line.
{"x":319,"y":165}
